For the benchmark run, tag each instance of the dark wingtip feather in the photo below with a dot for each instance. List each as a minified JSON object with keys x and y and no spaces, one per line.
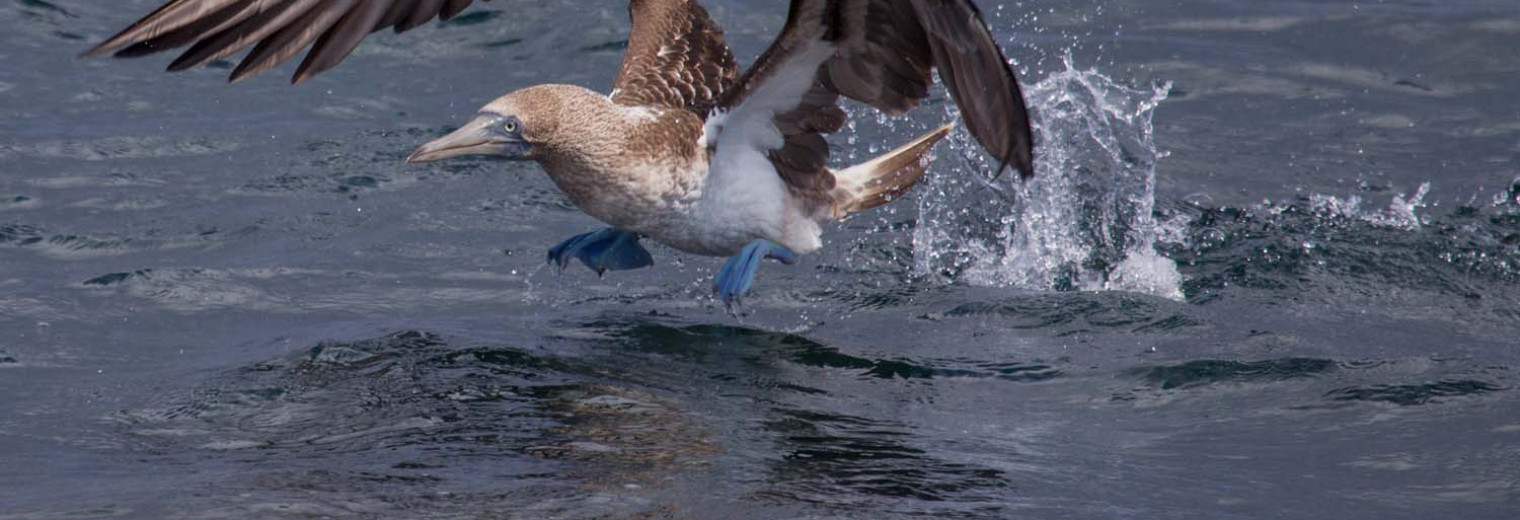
{"x":116,"y":42}
{"x":240,"y":73}
{"x":1022,"y":161}
{"x":96,"y":51}
{"x":307,"y":71}
{"x":175,"y":16}
{"x":182,"y":63}
{"x":217,"y":28}
{"x":1021,"y":149}
{"x":136,"y":50}
{"x":977,"y":75}
{"x":452,"y":8}
{"x":1026,"y":163}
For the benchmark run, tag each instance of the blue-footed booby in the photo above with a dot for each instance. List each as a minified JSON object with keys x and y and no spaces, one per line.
{"x":685,"y":150}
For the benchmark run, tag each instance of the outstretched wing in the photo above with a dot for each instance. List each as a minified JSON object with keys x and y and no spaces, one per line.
{"x":676,"y":58}
{"x":878,"y":52}
{"x":276,"y":29}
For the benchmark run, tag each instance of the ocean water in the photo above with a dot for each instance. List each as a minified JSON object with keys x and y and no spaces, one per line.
{"x":1270,"y":269}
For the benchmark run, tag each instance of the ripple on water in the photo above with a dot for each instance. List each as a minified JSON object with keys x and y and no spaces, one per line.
{"x":1069,"y":313}
{"x":1347,"y":381}
{"x":46,"y":12}
{"x":329,"y":166}
{"x":23,"y":236}
{"x":390,"y":390}
{"x":822,"y":444}
{"x":193,"y":289}
{"x":862,"y":298}
{"x":696,"y":342}
{"x":80,"y":245}
{"x":414,"y":420}
{"x":1214,"y":371}
{"x":1321,"y":250}
{"x":117,"y":148}
{"x":9,"y":202}
{"x":1415,"y":394}
{"x":843,"y":460}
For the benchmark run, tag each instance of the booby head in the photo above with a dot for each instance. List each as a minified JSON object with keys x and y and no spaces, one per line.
{"x":517,"y":126}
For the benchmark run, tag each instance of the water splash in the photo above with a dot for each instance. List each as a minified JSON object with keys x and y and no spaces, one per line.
{"x":1509,"y":197}
{"x":1084,"y":223}
{"x":1400,"y":213}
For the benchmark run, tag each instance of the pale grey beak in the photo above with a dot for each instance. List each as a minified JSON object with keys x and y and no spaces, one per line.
{"x":484,"y":135}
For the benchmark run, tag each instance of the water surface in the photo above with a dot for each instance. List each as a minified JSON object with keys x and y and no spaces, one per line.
{"x":1269,"y":270}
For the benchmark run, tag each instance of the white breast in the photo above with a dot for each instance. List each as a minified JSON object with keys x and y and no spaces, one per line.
{"x":718,"y":213}
{"x":743,"y":198}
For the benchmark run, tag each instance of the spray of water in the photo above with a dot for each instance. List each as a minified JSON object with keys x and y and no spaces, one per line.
{"x":1401,"y":212}
{"x":1084,"y":223}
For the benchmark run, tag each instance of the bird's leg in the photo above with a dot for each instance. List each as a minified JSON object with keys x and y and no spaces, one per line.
{"x":738,"y":274}
{"x":605,"y":250}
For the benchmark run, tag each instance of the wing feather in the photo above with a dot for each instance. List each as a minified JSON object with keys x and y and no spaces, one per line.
{"x":452,"y":8}
{"x":425,"y":11}
{"x":342,"y":39}
{"x":181,"y":36}
{"x":883,"y":52}
{"x":288,"y":40}
{"x":167,"y":18}
{"x":398,"y":11}
{"x":676,"y":58}
{"x":277,"y":30}
{"x":978,"y":77}
{"x":240,"y":36}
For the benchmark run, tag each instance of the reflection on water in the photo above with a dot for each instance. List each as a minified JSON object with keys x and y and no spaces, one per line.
{"x":237,"y":302}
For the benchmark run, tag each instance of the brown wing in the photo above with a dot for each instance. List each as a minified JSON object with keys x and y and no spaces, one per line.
{"x":276,"y":29}
{"x":676,"y":58}
{"x":883,"y":53}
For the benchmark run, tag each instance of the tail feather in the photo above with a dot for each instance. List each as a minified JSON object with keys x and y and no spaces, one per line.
{"x":885,"y":178}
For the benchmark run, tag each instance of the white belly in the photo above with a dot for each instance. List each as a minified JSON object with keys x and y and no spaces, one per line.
{"x":712,"y":209}
{"x":723,"y":212}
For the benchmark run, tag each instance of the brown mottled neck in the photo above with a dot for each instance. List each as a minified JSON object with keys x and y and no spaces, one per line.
{"x":576,"y":130}
{"x":591,"y":146}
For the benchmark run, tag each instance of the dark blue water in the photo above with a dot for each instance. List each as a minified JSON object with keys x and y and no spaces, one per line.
{"x":1271,"y":270}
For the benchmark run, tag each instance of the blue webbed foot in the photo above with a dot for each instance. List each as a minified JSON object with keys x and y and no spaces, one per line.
{"x":605,"y":250}
{"x":736,"y":277}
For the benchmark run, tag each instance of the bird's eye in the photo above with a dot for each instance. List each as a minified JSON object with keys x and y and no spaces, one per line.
{"x":510,"y":126}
